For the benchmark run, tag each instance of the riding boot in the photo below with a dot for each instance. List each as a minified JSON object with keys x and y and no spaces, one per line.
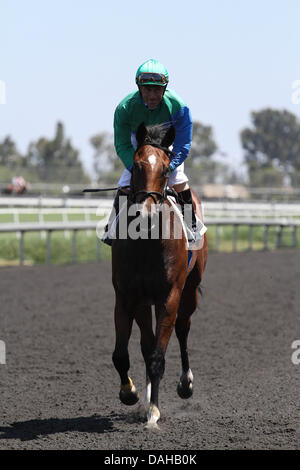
{"x":195,"y":228}
{"x":113,"y":216}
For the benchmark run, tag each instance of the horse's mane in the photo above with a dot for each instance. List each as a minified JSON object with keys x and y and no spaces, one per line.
{"x":156,"y":133}
{"x":155,"y":137}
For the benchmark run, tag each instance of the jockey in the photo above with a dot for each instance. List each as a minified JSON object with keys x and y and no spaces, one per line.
{"x":154,"y":104}
{"x":19,"y":184}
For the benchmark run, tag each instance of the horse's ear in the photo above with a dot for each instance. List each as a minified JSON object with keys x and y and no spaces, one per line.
{"x":169,"y":137}
{"x":141,"y":134}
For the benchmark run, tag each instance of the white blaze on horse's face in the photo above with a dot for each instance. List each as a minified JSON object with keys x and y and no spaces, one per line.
{"x":152,"y":161}
{"x":148,"y":208}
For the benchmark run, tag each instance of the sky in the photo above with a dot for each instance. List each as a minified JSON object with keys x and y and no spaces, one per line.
{"x":74,"y":60}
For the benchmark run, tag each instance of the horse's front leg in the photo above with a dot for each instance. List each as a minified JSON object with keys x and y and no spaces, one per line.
{"x":123,"y":326}
{"x":143,"y":318}
{"x":165,"y":321}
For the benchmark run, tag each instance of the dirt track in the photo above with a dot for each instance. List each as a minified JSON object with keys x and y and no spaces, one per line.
{"x":59,"y":389}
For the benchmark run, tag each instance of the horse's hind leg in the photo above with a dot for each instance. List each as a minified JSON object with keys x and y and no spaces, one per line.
{"x":123,"y":326}
{"x":187,"y":306}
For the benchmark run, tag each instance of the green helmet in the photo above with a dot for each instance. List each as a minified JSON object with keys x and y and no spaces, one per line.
{"x":152,"y":72}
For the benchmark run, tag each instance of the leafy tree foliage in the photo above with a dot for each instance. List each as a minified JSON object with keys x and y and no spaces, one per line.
{"x":272,"y":146}
{"x":106,"y":163}
{"x":9,"y":155}
{"x":56,"y":160}
{"x":201,"y":166}
{"x":203,"y":143}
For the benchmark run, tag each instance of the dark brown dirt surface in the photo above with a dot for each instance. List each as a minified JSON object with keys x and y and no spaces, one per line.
{"x":59,"y":389}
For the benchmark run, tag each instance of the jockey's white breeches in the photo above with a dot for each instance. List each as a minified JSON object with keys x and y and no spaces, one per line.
{"x":177,"y":176}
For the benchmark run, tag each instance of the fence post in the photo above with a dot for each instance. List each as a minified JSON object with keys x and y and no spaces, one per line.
{"x":74,"y":246}
{"x":279,"y":236}
{"x":217,"y":237}
{"x":250,"y":237}
{"x":234,"y":240}
{"x":294,"y":237}
{"x":65,"y":220}
{"x":41,"y":221}
{"x":266,"y":231}
{"x":87,"y":218}
{"x":16,"y":220}
{"x":48,"y":252}
{"x":21,"y":248}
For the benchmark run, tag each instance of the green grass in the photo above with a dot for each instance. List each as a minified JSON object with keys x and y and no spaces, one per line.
{"x":244,"y":235}
{"x":34,"y":218}
{"x":35,"y":245}
{"x":35,"y":248}
{"x":61,"y":245}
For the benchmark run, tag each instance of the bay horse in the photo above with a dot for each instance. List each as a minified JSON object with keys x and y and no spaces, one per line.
{"x":154,"y":272}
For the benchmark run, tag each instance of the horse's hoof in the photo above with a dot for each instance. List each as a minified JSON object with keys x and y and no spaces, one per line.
{"x":185,"y":389}
{"x":129,"y":398}
{"x":153,"y":416}
{"x":152,"y":427}
{"x":128,"y":394}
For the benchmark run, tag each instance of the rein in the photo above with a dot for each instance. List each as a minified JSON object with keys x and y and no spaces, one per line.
{"x":99,"y":190}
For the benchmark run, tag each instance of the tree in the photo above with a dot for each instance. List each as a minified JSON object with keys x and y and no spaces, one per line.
{"x":106,"y":163}
{"x":9,"y":155}
{"x":203,"y":143}
{"x":272,"y":144}
{"x":56,"y":160}
{"x":200,"y":165}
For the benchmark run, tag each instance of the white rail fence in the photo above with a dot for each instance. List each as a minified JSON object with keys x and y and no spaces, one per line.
{"x":49,"y":228}
{"x":266,"y":224}
{"x":216,"y":213}
{"x":88,"y":214}
{"x":54,"y":202}
{"x":244,"y":209}
{"x":272,"y":209}
{"x":60,"y":208}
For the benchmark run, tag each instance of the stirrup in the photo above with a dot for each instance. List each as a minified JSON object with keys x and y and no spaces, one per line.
{"x":196,"y":233}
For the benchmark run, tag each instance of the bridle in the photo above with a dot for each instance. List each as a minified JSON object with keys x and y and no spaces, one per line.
{"x":160,"y":196}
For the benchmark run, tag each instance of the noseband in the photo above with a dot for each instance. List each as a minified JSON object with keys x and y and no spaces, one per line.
{"x":160,"y":197}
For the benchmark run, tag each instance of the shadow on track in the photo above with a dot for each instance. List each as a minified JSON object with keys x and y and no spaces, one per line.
{"x":32,"y":429}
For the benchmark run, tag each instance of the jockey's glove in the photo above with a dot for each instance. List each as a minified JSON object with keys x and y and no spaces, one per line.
{"x":172,"y":166}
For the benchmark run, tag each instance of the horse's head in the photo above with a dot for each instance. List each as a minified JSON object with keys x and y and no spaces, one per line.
{"x":151,"y":162}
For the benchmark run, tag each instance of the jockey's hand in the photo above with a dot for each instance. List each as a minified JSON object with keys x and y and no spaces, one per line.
{"x":172,"y":167}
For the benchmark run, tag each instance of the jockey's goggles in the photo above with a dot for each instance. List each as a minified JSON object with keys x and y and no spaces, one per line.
{"x":152,"y":79}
